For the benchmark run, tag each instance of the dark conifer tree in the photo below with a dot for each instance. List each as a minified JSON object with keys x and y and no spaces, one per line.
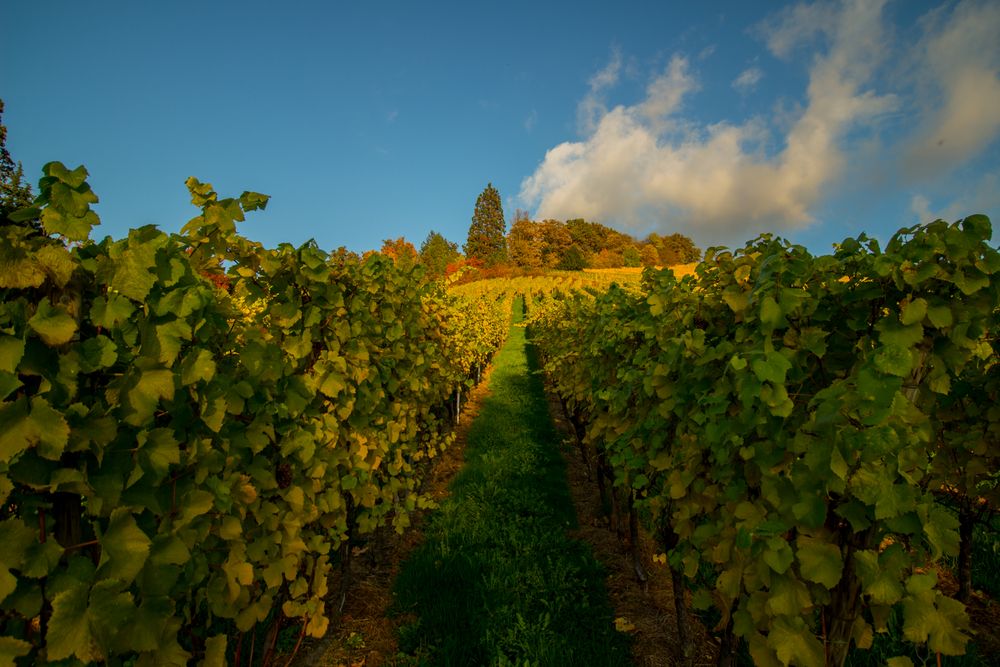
{"x":487,"y":240}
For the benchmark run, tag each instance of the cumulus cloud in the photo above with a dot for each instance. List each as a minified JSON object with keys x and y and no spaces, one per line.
{"x":665,"y":93}
{"x":592,"y":107}
{"x":961,"y":58}
{"x":654,"y":164}
{"x":748,"y":79}
{"x":647,"y":162}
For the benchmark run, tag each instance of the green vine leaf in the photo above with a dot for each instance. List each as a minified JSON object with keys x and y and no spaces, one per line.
{"x":52,"y":324}
{"x":69,"y":627}
{"x":819,"y":561}
{"x":124,"y":548}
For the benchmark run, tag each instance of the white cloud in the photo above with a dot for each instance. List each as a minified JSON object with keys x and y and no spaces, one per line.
{"x":748,"y":79}
{"x":665,"y":92}
{"x":960,"y":58}
{"x":981,"y":196}
{"x":921,"y":207}
{"x":880,"y":111}
{"x":714,"y":181}
{"x":592,"y":107}
{"x":796,"y":25}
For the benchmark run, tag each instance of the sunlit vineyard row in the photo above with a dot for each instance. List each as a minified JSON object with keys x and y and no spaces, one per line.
{"x":810,"y":439}
{"x":195,"y":429}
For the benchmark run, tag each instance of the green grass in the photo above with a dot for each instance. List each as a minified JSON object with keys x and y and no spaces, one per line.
{"x":497,"y":581}
{"x":986,"y":558}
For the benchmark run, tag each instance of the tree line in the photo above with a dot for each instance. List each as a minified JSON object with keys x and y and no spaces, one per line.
{"x":546,"y":244}
{"x":15,"y":192}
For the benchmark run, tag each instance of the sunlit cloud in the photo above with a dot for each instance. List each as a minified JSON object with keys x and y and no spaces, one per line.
{"x":635,"y":168}
{"x":665,"y":93}
{"x":592,"y":106}
{"x":654,"y":165}
{"x":961,"y":61}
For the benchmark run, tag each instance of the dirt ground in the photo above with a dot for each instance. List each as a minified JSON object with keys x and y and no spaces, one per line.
{"x":363,"y":635}
{"x":646,"y":610}
{"x":650,"y":608}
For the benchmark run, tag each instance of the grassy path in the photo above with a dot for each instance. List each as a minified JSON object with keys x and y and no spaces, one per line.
{"x":497,"y":581}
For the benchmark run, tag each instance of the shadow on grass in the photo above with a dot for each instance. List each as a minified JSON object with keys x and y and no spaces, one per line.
{"x":497,"y":581}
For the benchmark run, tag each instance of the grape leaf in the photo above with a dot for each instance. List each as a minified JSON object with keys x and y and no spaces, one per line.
{"x":111,"y":311}
{"x":52,"y":324}
{"x":124,"y":548}
{"x":134,"y":276}
{"x":69,"y":627}
{"x":11,"y":351}
{"x":795,"y":643}
{"x":215,"y":652}
{"x":149,"y":388}
{"x":198,"y":366}
{"x":770,"y":314}
{"x":158,"y":449}
{"x":11,"y":648}
{"x":819,"y":560}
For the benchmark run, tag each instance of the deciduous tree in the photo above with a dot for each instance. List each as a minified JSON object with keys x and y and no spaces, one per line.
{"x":436,"y":253}
{"x":524,"y":243}
{"x":400,"y":250}
{"x":573,"y":260}
{"x":674,"y":249}
{"x":650,"y":256}
{"x":607,"y":259}
{"x":15,"y":192}
{"x":555,"y":240}
{"x":631,"y":256}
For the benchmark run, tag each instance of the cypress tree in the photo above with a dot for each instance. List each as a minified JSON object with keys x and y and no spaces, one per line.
{"x":487,"y":240}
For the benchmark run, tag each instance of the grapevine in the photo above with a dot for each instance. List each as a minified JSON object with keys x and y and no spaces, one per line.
{"x":192,"y":425}
{"x":786,"y":422}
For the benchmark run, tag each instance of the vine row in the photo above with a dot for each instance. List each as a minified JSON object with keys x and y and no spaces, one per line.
{"x":804,"y":435}
{"x":193,"y":427}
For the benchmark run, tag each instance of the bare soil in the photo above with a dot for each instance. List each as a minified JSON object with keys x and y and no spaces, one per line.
{"x":649,"y":607}
{"x":363,"y":635}
{"x":645,"y":609}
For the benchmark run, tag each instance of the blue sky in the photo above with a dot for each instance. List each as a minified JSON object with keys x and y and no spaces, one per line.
{"x":366,"y":121}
